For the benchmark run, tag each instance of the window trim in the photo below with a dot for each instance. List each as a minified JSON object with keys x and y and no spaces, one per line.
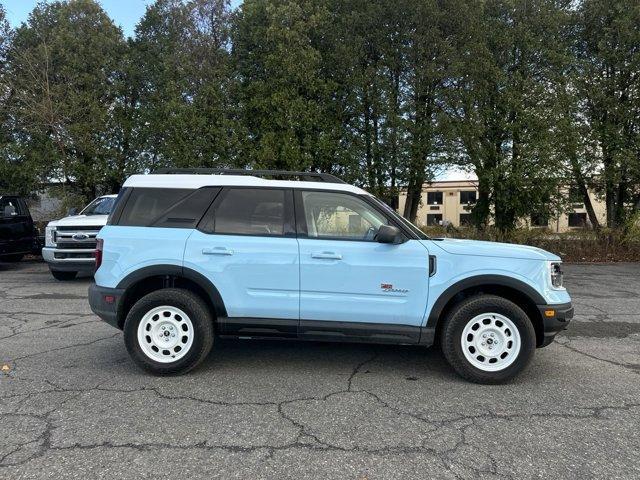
{"x":289,"y":213}
{"x":301,"y":221}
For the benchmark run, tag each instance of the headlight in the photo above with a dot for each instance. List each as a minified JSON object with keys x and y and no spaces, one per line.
{"x":555,"y":273}
{"x":50,"y":237}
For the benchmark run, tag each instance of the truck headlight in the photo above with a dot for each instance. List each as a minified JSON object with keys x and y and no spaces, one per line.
{"x":555,"y":275}
{"x":50,"y":237}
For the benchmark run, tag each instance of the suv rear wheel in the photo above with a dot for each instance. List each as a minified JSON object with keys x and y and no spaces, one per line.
{"x":169,"y":331}
{"x":488,"y":339}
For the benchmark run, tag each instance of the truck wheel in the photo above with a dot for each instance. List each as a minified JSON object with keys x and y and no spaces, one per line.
{"x":63,"y":276}
{"x":488,"y":339}
{"x":169,"y":331}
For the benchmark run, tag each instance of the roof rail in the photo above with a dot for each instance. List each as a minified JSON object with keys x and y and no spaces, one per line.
{"x":278,"y":174}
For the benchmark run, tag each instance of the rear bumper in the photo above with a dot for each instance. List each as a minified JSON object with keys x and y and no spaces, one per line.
{"x":555,"y":318}
{"x":105,"y":303}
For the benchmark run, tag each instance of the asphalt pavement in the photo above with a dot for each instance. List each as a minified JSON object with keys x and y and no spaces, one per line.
{"x":72,"y":404}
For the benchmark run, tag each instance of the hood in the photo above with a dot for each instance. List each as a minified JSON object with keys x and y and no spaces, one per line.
{"x":491,"y":249}
{"x":80,"y":221}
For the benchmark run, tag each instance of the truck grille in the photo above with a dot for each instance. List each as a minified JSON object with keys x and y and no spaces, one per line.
{"x":82,"y":239}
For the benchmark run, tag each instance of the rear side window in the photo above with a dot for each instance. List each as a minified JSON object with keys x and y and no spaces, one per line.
{"x":249,"y":211}
{"x":166,"y":207}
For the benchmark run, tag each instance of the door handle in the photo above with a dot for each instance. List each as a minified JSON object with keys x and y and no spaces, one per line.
{"x":327,"y":255}
{"x":217,"y":251}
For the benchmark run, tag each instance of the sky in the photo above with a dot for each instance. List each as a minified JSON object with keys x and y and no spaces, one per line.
{"x":124,"y":13}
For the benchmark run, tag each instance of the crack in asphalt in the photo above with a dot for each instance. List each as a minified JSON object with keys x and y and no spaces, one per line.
{"x":448,"y":440}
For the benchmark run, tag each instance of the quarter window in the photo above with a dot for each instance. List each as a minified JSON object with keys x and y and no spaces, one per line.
{"x":340,"y":216}
{"x":145,"y":205}
{"x":249,"y":211}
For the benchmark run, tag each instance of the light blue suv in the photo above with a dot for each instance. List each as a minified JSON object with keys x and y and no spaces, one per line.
{"x":188,"y":256}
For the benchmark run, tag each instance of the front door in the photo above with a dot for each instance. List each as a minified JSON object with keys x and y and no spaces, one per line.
{"x":350,"y":284}
{"x":246,"y":246}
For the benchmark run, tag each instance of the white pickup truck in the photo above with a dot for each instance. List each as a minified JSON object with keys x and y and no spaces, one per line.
{"x":70,"y":243}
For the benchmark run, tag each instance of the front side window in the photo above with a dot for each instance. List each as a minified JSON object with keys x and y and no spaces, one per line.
{"x":100,"y":206}
{"x":248,"y":211}
{"x":340,"y":216}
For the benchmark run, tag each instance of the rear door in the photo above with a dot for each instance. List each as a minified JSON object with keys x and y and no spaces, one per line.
{"x":246,"y":246}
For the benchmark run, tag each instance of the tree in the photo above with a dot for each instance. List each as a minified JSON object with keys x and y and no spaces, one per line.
{"x":503,"y":95}
{"x":609,"y":86}
{"x":283,"y":94}
{"x":180,"y":66}
{"x":62,"y":69}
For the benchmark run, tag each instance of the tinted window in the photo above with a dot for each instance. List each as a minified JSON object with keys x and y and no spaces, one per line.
{"x":434,"y":198}
{"x":10,"y":207}
{"x":338,"y":215}
{"x":188,"y":211}
{"x":146,"y":205}
{"x":100,"y":206}
{"x":248,"y":211}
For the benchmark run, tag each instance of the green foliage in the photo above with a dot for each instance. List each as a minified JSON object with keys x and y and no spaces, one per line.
{"x":528,"y":94}
{"x":61,"y":71}
{"x":608,"y":62}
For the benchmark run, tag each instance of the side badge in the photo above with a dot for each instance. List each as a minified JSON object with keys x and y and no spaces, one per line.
{"x":388,"y":287}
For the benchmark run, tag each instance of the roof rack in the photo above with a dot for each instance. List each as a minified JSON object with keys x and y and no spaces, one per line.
{"x":281,"y":174}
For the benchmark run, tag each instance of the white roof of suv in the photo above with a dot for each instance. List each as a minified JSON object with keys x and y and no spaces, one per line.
{"x":199,"y":180}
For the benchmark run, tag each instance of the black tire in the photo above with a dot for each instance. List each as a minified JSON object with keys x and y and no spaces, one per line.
{"x":200,"y":317}
{"x":462,"y":313}
{"x":63,"y":276}
{"x":12,"y":258}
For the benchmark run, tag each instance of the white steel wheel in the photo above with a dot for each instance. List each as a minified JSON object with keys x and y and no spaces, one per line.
{"x":490,"y":342}
{"x":165,"y":334}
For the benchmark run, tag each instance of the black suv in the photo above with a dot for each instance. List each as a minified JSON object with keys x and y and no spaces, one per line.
{"x":18,"y":235}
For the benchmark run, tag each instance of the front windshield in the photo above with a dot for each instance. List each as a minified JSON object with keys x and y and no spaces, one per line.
{"x":400,"y":219}
{"x":100,"y":206}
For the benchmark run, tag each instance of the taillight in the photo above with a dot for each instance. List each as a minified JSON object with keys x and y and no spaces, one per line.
{"x":98,"y":254}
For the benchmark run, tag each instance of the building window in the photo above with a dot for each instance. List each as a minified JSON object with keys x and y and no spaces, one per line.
{"x":434,"y":219}
{"x":434,"y":198}
{"x":468,"y":196}
{"x":578,"y":220}
{"x":465,"y":219}
{"x":539,"y":220}
{"x":575,"y":195}
{"x":434,"y":208}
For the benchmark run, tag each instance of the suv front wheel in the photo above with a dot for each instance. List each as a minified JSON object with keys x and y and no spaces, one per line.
{"x":488,"y":339}
{"x":169,"y":331}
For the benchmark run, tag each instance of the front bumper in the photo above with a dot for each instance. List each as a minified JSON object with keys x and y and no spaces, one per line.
{"x":555,"y":318}
{"x":71,"y":264}
{"x":105,"y":302}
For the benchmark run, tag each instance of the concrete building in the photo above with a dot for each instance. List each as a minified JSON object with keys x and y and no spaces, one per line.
{"x":450,"y":202}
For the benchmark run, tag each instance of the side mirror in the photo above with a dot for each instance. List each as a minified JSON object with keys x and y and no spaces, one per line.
{"x":388,"y":234}
{"x":72,"y":211}
{"x":9,"y":211}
